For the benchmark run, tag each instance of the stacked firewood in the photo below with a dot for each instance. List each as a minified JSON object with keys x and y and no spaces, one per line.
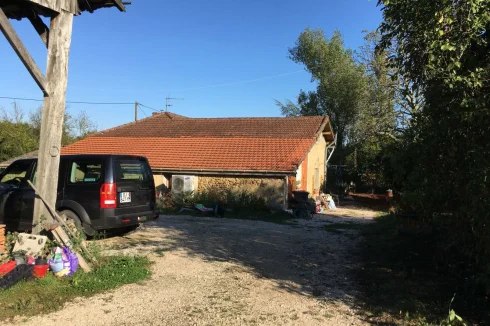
{"x":2,"y":239}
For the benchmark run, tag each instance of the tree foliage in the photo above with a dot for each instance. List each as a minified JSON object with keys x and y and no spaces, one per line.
{"x":357,"y":92}
{"x":340,"y":81}
{"x":19,"y":136}
{"x":443,"y":163}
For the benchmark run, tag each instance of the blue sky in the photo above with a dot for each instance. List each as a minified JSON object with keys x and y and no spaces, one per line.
{"x":216,"y":54}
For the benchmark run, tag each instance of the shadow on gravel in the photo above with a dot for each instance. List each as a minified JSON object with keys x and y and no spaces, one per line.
{"x":308,"y":260}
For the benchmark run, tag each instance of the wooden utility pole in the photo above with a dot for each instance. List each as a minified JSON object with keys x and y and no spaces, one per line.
{"x":53,"y":114}
{"x":57,"y":39}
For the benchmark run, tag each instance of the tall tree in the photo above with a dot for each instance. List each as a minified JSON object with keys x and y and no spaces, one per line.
{"x":16,"y":137}
{"x":83,"y":125}
{"x":74,"y":128}
{"x":443,"y":49}
{"x":340,"y":81}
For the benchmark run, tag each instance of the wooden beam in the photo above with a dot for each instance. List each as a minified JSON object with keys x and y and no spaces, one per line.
{"x":53,"y":115}
{"x":20,"y":49}
{"x":70,"y":6}
{"x":89,"y":7}
{"x":119,"y":5}
{"x":40,"y":27}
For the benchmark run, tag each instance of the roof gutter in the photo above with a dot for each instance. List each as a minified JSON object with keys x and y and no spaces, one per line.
{"x":263,"y":173}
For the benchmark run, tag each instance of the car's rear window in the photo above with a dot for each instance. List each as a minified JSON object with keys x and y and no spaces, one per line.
{"x":132,"y":170}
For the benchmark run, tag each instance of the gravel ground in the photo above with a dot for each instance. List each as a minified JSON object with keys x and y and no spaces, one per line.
{"x":212,"y":271}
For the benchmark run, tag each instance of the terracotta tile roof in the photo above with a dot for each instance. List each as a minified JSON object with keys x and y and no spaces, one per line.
{"x":160,"y":125}
{"x":175,"y":142}
{"x":237,"y":154}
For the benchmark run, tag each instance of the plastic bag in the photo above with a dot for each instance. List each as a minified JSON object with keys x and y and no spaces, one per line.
{"x":63,"y":261}
{"x":72,"y":257}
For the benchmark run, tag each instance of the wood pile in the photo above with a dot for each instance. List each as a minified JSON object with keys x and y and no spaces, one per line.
{"x":2,"y":238}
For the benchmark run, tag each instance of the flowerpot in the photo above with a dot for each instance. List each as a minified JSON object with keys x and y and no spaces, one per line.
{"x":40,"y":271}
{"x":7,"y":267}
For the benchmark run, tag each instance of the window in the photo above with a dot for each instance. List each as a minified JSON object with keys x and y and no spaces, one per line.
{"x":14,"y":175}
{"x":85,"y":172}
{"x":133,"y":170}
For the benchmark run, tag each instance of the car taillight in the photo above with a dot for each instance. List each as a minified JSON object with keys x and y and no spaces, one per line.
{"x":108,"y":195}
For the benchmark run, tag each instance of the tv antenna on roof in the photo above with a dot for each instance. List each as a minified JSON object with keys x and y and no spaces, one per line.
{"x":167,"y":104}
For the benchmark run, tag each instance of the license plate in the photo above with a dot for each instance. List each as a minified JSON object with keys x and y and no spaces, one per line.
{"x":125,"y":197}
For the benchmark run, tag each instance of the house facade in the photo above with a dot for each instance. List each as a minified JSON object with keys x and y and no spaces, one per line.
{"x":269,"y":157}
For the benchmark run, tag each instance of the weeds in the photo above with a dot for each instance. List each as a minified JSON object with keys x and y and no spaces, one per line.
{"x":401,"y":276}
{"x":238,"y":204}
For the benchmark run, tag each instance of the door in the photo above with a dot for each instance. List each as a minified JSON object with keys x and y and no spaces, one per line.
{"x":13,"y":187}
{"x":135,"y":186}
{"x":83,"y":182}
{"x":30,"y":194}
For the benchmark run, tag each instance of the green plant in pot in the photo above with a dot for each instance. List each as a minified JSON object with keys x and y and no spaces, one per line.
{"x":20,"y":256}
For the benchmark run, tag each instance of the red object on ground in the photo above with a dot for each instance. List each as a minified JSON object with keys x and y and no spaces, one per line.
{"x":7,"y":267}
{"x":40,"y":270}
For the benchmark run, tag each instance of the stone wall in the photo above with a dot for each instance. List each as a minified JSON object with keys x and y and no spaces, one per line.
{"x":271,"y":189}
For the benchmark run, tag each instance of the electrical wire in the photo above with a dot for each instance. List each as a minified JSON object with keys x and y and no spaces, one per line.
{"x":201,"y":87}
{"x":70,"y":102}
{"x":143,"y":112}
{"x":145,"y":106}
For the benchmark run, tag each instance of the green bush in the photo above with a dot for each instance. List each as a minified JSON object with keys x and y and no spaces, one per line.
{"x":238,"y":204}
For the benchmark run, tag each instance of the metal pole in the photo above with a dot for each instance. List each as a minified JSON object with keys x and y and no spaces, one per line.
{"x":135,"y":111}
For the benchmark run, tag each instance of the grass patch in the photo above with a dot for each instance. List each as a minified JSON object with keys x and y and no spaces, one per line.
{"x":401,"y":279}
{"x":50,"y":293}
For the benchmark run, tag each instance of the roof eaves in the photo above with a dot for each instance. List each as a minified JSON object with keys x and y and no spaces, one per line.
{"x":224,"y":171}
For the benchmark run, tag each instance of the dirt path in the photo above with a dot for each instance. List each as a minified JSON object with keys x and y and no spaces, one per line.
{"x":211,"y":271}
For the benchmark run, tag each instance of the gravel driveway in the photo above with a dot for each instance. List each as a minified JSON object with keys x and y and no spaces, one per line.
{"x":211,"y":271}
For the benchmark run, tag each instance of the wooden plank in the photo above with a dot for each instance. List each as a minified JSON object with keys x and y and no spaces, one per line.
{"x":61,"y":236}
{"x":19,"y":48}
{"x":53,"y":115}
{"x":70,"y":6}
{"x":40,"y":28}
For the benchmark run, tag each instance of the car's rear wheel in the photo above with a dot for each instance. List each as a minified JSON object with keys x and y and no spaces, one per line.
{"x":70,"y":216}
